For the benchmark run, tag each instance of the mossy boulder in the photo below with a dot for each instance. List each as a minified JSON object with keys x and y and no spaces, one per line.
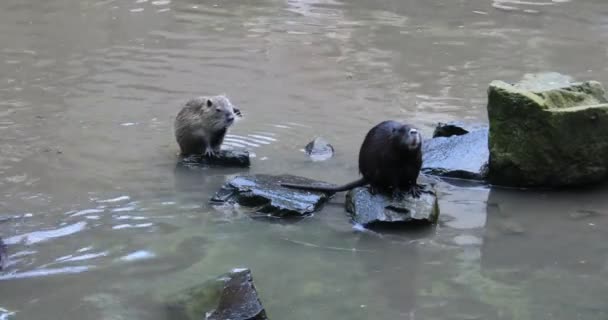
{"x":547,"y":131}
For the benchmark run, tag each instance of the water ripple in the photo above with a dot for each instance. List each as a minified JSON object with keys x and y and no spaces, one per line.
{"x":42,"y":236}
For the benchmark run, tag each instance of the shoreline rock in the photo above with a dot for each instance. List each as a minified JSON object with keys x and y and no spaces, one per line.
{"x":372,"y":210}
{"x":547,"y":131}
{"x":265,"y":195}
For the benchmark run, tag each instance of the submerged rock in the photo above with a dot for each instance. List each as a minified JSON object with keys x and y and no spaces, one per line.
{"x":265,"y":194}
{"x":319,"y":149}
{"x":226,"y":158}
{"x":463,"y":156}
{"x":368,"y":209}
{"x":231,"y":296}
{"x":547,"y":131}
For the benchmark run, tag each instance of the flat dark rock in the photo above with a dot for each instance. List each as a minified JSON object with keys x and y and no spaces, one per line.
{"x":455,"y":128}
{"x":458,"y":156}
{"x":319,"y":149}
{"x":265,"y":194}
{"x":230,"y":296}
{"x":225,"y":158}
{"x":380,"y":209}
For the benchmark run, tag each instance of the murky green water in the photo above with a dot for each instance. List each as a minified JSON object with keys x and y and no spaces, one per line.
{"x":100,"y":223}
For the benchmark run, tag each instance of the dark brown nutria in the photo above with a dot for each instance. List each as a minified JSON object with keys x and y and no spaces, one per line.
{"x":200,"y":126}
{"x":390,"y":159}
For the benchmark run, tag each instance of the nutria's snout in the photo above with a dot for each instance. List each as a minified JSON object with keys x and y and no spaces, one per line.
{"x":229,"y":119}
{"x":414,"y":139}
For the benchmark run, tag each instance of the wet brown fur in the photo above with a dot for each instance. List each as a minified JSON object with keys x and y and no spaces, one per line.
{"x":200,"y":126}
{"x":390,"y":159}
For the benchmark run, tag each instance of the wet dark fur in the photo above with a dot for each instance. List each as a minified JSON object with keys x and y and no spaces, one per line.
{"x":200,"y":128}
{"x":385,"y":162}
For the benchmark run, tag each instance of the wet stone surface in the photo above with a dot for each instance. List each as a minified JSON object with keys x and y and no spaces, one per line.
{"x":372,"y":210}
{"x":225,"y":158}
{"x":265,"y":194}
{"x":463,"y":156}
{"x":456,"y":128}
{"x":231,"y":296}
{"x":319,"y":149}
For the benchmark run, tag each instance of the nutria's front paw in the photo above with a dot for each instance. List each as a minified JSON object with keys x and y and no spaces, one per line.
{"x":209,"y":153}
{"x":415,"y":191}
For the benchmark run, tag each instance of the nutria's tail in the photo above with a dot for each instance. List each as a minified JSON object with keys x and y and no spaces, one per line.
{"x":309,"y":187}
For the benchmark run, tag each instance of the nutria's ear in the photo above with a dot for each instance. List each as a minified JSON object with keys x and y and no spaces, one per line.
{"x":209,"y":103}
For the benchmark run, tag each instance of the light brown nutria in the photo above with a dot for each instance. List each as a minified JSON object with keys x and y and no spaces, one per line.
{"x":390,"y":159}
{"x":200,"y":126}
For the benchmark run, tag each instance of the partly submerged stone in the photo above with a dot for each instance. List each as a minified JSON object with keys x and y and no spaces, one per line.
{"x":265,"y":194}
{"x":225,"y":158}
{"x":230,"y":296}
{"x":3,"y":255}
{"x":463,"y":156}
{"x":547,"y":131}
{"x":370,"y":209}
{"x":319,"y":149}
{"x":455,"y":128}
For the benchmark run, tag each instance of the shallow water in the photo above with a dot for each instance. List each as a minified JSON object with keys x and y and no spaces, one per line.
{"x":101,"y":224}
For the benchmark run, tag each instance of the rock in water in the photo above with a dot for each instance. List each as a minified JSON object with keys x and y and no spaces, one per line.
{"x":230,"y":296}
{"x":225,"y":158}
{"x":369,"y":210}
{"x":455,"y":128}
{"x":457,"y":153}
{"x":265,"y":194}
{"x":3,"y":255}
{"x":547,"y":131}
{"x":319,"y":149}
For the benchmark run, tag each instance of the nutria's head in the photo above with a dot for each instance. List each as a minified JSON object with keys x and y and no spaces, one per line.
{"x":216,"y":111}
{"x":408,"y":137}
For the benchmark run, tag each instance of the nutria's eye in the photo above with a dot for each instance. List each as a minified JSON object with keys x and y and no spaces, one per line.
{"x":209,"y":103}
{"x":218,"y":110}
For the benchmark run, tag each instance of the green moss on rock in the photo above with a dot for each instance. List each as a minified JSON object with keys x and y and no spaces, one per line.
{"x":547,"y":132}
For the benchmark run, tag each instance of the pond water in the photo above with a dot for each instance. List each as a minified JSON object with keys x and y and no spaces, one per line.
{"x":100,"y":224}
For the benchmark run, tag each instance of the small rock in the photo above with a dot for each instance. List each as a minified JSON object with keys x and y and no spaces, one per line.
{"x":226,"y":158}
{"x":458,"y":156}
{"x":369,"y":210}
{"x":3,"y":255}
{"x":231,"y":296}
{"x":319,"y":149}
{"x":455,"y":128}
{"x":265,"y":193}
